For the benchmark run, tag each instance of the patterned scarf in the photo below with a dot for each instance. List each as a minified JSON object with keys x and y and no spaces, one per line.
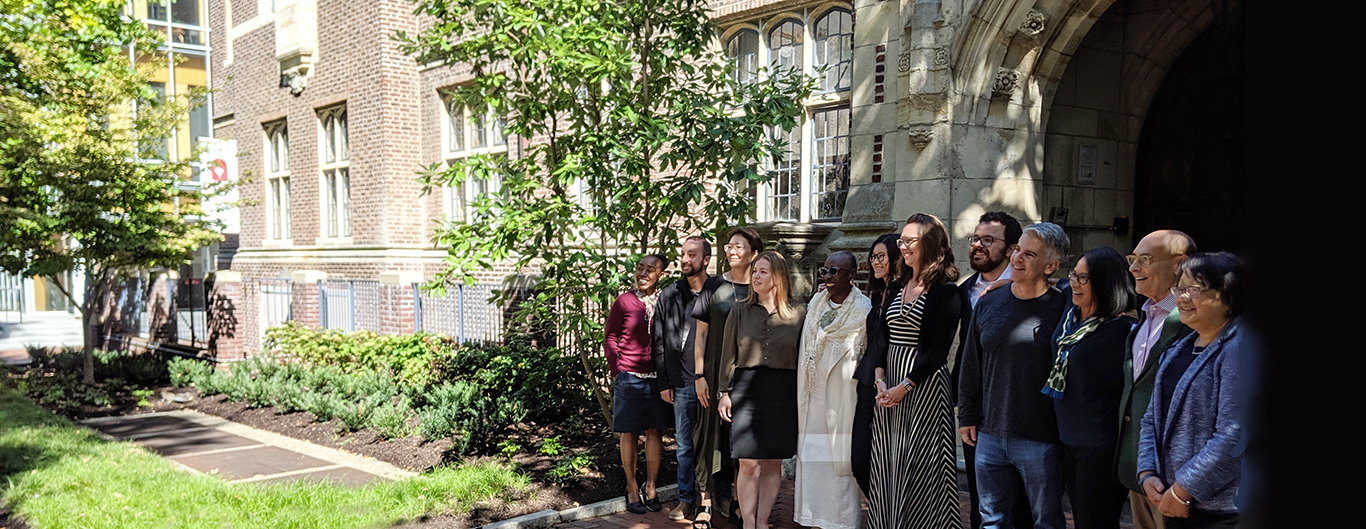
{"x":1071,"y":334}
{"x":649,"y":302}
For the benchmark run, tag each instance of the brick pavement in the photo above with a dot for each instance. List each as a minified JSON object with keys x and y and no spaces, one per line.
{"x":781,"y":518}
{"x":238,"y":453}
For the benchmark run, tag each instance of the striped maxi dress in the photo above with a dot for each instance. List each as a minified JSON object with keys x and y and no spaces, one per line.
{"x":914,"y":481}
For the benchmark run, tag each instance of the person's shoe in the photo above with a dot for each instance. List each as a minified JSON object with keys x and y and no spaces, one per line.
{"x":702,"y":520}
{"x":637,"y":506}
{"x":652,"y":504}
{"x":681,"y":511}
{"x":733,"y":505}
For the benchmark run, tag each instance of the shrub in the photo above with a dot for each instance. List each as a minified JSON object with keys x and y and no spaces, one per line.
{"x":390,"y":419}
{"x":466,"y":413}
{"x":186,"y":372}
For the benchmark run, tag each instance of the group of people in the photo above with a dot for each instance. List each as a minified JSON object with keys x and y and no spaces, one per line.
{"x":1052,"y":385}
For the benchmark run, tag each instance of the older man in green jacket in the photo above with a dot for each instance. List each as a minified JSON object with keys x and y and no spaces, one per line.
{"x":1155,"y":265}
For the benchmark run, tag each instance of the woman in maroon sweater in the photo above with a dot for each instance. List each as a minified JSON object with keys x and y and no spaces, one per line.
{"x":636,"y":405}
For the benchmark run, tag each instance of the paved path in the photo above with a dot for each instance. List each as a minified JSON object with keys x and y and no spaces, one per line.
{"x":780,"y":519}
{"x":239,"y":453}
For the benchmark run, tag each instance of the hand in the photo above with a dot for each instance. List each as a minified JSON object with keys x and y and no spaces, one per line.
{"x":667,"y":395}
{"x":893,"y":396}
{"x":996,"y":284}
{"x":701,"y":385}
{"x":1173,"y":506}
{"x":881,"y":392}
{"x":723,"y":407}
{"x":969,"y":435}
{"x":821,"y":287}
{"x":1152,"y":487}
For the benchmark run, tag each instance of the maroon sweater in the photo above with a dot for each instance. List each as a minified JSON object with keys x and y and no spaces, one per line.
{"x":628,"y":336}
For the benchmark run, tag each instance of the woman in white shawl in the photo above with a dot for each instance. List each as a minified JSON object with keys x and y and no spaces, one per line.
{"x":833,"y":340}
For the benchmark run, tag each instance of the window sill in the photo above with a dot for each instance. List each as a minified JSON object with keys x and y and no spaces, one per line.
{"x":332,"y":241}
{"x":277,"y":242}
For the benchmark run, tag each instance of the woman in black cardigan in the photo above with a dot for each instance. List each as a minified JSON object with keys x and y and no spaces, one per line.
{"x":1087,"y":381}
{"x":883,"y":287}
{"x":914,"y":479}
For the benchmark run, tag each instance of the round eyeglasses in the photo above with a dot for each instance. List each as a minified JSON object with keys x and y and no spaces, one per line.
{"x":1080,"y":279}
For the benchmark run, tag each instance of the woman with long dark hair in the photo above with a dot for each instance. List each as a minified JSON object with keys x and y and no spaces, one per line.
{"x":1087,"y":382}
{"x":914,"y":480}
{"x":882,"y":288}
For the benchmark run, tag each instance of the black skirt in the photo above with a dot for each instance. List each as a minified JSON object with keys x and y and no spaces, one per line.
{"x":763,"y":414}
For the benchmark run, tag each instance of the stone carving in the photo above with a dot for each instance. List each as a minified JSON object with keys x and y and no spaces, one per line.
{"x":295,"y":78}
{"x":903,"y":64}
{"x":920,"y":137}
{"x":1033,"y":24}
{"x":1006,"y":82}
{"x":941,"y":57}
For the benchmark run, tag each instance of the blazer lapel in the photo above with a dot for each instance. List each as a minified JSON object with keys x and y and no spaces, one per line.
{"x":1172,"y":330}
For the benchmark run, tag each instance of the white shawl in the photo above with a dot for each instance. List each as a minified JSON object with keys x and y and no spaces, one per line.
{"x":832,"y":354}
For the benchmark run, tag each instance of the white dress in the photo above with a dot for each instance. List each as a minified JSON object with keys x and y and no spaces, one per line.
{"x":826,"y":493}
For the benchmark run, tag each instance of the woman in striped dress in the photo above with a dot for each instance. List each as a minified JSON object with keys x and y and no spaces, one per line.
{"x":914,"y":481}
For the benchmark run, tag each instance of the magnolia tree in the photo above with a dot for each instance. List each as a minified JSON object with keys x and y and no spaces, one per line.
{"x":83,"y":181}
{"x":634,"y":134}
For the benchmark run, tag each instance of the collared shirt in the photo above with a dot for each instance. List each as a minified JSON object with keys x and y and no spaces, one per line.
{"x":1150,"y":330}
{"x":754,"y":337}
{"x":981,"y":286}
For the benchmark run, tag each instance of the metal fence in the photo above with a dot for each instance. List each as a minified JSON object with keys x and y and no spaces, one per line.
{"x":11,"y":298}
{"x":349,"y":305}
{"x":465,"y":313}
{"x":268,"y":303}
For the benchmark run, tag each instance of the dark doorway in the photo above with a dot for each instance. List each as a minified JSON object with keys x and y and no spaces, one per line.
{"x":1190,"y":161}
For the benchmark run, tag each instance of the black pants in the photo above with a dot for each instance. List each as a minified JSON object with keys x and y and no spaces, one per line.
{"x":1021,"y":518}
{"x":861,"y":451}
{"x":1202,"y":520}
{"x":1097,"y":498}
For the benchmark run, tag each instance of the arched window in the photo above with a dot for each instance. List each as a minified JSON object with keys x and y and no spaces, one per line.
{"x":834,"y":41}
{"x":785,"y":45}
{"x":743,"y":50}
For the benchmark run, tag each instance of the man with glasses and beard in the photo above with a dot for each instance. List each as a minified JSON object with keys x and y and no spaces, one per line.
{"x":996,"y":236}
{"x":674,"y":333}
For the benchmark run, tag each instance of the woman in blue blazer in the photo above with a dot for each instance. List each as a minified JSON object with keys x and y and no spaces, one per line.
{"x":1186,"y":458}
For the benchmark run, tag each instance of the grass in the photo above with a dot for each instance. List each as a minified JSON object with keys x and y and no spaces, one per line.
{"x":58,"y":475}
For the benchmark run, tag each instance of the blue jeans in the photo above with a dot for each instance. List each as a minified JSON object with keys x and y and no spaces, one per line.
{"x":1001,"y":460}
{"x":685,"y":419}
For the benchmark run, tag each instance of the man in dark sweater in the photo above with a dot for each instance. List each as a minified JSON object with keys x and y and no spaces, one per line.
{"x":1001,"y":408}
{"x":674,"y":334}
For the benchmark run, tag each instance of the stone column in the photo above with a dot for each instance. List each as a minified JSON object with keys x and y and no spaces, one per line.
{"x":304,"y":303}
{"x":226,"y":316}
{"x":396,"y":302}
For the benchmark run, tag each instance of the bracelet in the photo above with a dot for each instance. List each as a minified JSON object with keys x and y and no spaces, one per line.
{"x":882,"y":380}
{"x":1172,"y":490}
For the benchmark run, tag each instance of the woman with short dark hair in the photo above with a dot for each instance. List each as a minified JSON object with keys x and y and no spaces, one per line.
{"x":636,"y":406}
{"x":1187,"y":462}
{"x":1087,"y":382}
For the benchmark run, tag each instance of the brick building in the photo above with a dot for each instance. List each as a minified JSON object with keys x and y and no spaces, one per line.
{"x":1098,"y":115}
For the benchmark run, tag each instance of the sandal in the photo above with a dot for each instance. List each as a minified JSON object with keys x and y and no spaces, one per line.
{"x":638,"y":506}
{"x":703,"y":518}
{"x":653,"y":504}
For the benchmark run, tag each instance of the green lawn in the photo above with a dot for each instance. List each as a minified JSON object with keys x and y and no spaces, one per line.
{"x":59,"y":475}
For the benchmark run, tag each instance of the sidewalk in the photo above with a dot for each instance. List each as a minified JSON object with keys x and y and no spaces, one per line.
{"x":238,"y":453}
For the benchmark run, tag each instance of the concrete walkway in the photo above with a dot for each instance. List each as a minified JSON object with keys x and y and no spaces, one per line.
{"x":238,"y":453}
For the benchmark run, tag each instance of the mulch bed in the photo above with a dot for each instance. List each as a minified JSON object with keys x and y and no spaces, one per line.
{"x":604,"y":481}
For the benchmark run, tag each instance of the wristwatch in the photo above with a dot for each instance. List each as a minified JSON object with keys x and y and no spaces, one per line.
{"x":906,"y":384}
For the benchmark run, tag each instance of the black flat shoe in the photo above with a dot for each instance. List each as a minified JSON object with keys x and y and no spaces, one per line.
{"x":637,"y":507}
{"x":734,"y":515}
{"x":652,"y":504}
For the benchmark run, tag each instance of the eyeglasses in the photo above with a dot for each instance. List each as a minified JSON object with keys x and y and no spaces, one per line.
{"x":906,"y":242}
{"x":1080,"y":279}
{"x":1143,"y":260}
{"x":878,"y":257}
{"x":735,"y":246}
{"x":985,"y":240}
{"x":831,"y":270}
{"x":1191,"y":291}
